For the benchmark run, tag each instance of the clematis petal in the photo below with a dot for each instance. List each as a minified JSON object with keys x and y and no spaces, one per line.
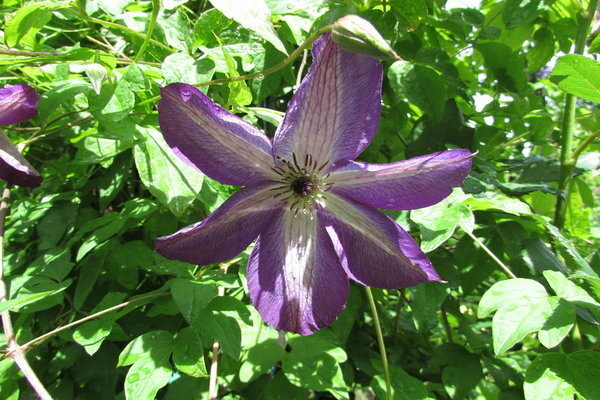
{"x":18,"y":103}
{"x":405,"y":185}
{"x":374,"y":250}
{"x":218,"y":143}
{"x":295,"y":278}
{"x":224,"y":233}
{"x":334,"y":114}
{"x":14,"y":168}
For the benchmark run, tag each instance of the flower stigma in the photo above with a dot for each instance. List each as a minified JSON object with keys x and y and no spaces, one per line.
{"x":301,"y":185}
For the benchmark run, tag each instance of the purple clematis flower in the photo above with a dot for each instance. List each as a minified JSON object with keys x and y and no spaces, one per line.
{"x":310,"y":205}
{"x":18,"y":103}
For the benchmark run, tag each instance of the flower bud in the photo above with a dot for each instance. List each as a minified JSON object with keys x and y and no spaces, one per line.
{"x":355,"y":34}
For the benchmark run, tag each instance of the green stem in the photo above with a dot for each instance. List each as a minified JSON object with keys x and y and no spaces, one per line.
{"x":53,"y":332}
{"x":131,"y":32}
{"x":568,"y":124}
{"x":275,"y":67}
{"x":15,"y":351}
{"x":267,"y":71}
{"x":53,"y":56}
{"x":506,"y":270}
{"x":384,"y":361}
{"x":151,"y":25}
{"x":583,"y":145}
{"x":446,"y":324}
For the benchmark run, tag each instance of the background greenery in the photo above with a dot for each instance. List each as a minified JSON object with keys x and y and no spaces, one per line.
{"x":492,"y":78}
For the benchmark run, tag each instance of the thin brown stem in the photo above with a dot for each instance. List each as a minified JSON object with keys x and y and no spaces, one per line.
{"x":213,"y":384}
{"x":16,"y":351}
{"x":301,"y":68}
{"x":27,"y":346}
{"x":503,"y":266}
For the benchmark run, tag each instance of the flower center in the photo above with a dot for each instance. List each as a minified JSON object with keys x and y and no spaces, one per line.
{"x":302,"y":186}
{"x":301,"y":183}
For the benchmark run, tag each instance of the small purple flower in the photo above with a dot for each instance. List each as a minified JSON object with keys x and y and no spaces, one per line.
{"x":308,"y":204}
{"x":18,"y":103}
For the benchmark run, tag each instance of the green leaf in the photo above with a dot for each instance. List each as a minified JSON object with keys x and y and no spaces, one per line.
{"x":508,"y":292}
{"x":314,"y":363}
{"x":211,"y":22}
{"x":90,"y":269}
{"x":154,"y":344}
{"x":239,"y":93}
{"x":191,"y":297}
{"x":51,"y":102}
{"x":409,"y":12}
{"x":173,"y":182}
{"x":25,"y":24}
{"x":461,"y":369}
{"x":579,"y":76}
{"x":188,"y":354}
{"x":260,"y":359}
{"x":498,"y":202}
{"x":280,"y":388}
{"x":221,"y":320}
{"x":543,"y":49}
{"x":438,"y":222}
{"x":520,"y":12}
{"x":176,"y":28}
{"x":23,"y":300}
{"x":181,"y":67}
{"x":559,"y":376}
{"x":571,"y":292}
{"x":404,"y":386}
{"x":570,"y":252}
{"x":513,"y":321}
{"x":421,"y":85}
{"x":114,"y":102}
{"x":558,"y":324}
{"x":507,"y":66}
{"x":427,"y":299}
{"x":91,"y":334}
{"x":135,"y":79}
{"x":145,"y":378}
{"x":100,"y":235}
{"x":253,"y":15}
{"x":95,"y":149}
{"x":273,"y":117}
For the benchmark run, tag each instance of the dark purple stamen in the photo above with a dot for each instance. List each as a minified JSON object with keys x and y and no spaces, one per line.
{"x":302,"y":186}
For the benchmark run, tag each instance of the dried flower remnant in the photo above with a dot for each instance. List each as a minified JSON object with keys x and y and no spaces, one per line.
{"x":310,"y":207}
{"x":18,"y":103}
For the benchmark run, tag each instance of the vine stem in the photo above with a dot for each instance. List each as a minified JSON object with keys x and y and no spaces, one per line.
{"x":309,"y":40}
{"x":506,"y":270}
{"x":151,"y":25}
{"x":381,"y":343}
{"x":213,"y":384}
{"x":125,"y":29}
{"x":121,"y":60}
{"x":267,"y":71}
{"x":53,"y":332}
{"x":567,"y":161}
{"x":16,"y":352}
